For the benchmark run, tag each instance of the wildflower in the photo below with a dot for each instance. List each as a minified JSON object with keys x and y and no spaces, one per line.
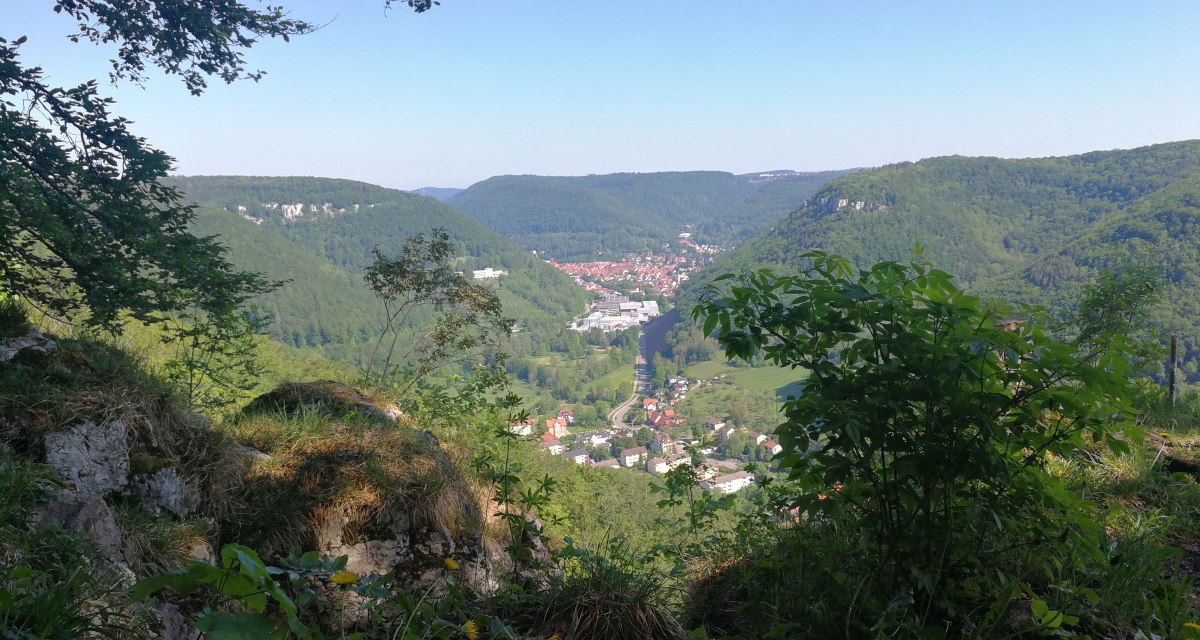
{"x":1165,"y":434}
{"x":471,"y":630}
{"x":1193,"y":626}
{"x":343,"y":577}
{"x":450,"y":564}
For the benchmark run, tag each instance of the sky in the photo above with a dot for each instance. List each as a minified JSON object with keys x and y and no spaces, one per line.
{"x":477,"y":88}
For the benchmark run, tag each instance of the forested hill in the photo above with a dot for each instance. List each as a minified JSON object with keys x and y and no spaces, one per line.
{"x":1028,"y":230}
{"x":319,"y":234}
{"x":439,"y":193}
{"x":572,"y":218}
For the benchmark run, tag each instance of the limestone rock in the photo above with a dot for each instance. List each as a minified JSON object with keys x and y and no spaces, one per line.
{"x":30,"y":345}
{"x":165,"y":490}
{"x":88,"y":515}
{"x":175,"y":625}
{"x":95,"y":457}
{"x":254,"y":455}
{"x":374,"y":556}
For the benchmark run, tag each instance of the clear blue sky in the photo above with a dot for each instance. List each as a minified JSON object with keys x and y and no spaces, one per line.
{"x":477,"y":88}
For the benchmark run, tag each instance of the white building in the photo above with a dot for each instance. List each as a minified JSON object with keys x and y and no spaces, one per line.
{"x":631,"y":457}
{"x":488,"y":273}
{"x":521,"y":428}
{"x":730,"y":483}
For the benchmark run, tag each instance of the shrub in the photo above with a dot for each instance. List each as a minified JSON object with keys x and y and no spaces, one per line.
{"x":925,"y":424}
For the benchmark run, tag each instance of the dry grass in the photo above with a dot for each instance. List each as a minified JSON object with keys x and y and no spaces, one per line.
{"x":337,"y":475}
{"x":329,"y":397}
{"x":157,"y":545}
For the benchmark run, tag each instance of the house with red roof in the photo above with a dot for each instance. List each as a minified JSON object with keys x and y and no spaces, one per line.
{"x":557,"y":427}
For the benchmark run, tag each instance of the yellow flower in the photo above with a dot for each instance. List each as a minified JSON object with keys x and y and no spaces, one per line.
{"x":450,"y":564}
{"x":471,"y":630}
{"x":1193,"y":626}
{"x":1165,"y":434}
{"x":343,"y":577}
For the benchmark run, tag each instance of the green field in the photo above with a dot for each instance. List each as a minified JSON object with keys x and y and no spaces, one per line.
{"x":782,"y":381}
{"x":612,"y":380}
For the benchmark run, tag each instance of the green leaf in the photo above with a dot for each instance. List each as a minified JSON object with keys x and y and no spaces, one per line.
{"x":250,"y":564}
{"x":220,"y":625}
{"x":1039,"y":608}
{"x":154,"y":584}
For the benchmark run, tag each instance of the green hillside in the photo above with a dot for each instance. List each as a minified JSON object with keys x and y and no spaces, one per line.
{"x":974,"y":217}
{"x":318,"y":233}
{"x":323,"y":305}
{"x":1028,"y":230}
{"x":1161,"y":230}
{"x":573,"y":218}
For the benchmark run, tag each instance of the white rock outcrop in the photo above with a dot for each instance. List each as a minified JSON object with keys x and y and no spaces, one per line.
{"x":165,"y":490}
{"x":31,"y":343}
{"x":93,"y":456}
{"x":90,"y":516}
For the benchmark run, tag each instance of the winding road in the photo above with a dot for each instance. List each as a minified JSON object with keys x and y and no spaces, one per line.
{"x":640,"y":371}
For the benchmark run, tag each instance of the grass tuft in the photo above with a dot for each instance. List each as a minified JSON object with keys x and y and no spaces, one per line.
{"x":613,"y":594}
{"x":14,"y":318}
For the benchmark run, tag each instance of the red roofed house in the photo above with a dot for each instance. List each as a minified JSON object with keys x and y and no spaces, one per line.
{"x":556,"y":427}
{"x":551,"y":444}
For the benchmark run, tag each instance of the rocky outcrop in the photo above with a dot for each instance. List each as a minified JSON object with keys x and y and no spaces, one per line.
{"x":173,"y":624}
{"x":420,"y":555}
{"x":165,"y":490}
{"x":410,"y":515}
{"x":90,"y":516}
{"x":95,"y":459}
{"x":92,"y":456}
{"x":28,"y":346}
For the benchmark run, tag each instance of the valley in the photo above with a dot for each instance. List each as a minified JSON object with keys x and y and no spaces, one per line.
{"x":601,"y":371}
{"x":618,"y":376}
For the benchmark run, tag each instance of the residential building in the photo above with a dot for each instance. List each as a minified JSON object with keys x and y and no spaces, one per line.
{"x":633,"y":457}
{"x":551,"y":446}
{"x":729,"y":483}
{"x":578,"y":456}
{"x":522,"y":428}
{"x":557,"y":427}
